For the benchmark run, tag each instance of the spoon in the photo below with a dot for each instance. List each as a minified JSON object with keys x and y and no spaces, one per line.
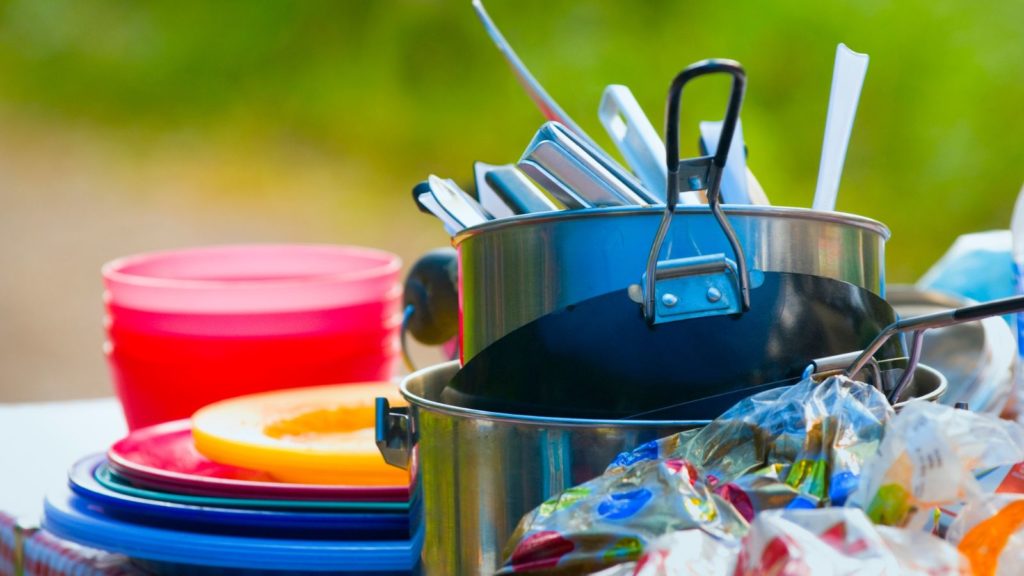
{"x":847,"y":81}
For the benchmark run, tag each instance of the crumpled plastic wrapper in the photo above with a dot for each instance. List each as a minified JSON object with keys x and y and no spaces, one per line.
{"x":999,"y":480}
{"x":610,"y":519}
{"x":798,"y":447}
{"x":929,"y":458}
{"x":989,"y":531}
{"x":840,"y":542}
{"x":686,"y":553}
{"x":810,"y":438}
{"x":828,"y":541}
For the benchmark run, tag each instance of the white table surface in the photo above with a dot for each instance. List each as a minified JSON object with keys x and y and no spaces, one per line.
{"x":40,"y":441}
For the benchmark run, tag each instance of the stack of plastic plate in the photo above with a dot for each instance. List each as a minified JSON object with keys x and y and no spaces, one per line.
{"x":158,"y":499}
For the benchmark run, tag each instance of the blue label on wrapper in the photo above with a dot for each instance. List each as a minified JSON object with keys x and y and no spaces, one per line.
{"x":621,"y":505}
{"x":648,"y":451}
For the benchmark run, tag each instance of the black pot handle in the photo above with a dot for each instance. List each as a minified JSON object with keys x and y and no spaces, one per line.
{"x":702,"y":173}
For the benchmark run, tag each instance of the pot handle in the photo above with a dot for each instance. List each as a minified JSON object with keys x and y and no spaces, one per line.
{"x":918,"y":324}
{"x":393,"y":433}
{"x":708,"y":285}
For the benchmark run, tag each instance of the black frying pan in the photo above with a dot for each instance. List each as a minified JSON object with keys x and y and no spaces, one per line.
{"x":601,"y":359}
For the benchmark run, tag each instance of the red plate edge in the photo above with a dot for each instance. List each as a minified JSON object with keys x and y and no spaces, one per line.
{"x":170,"y":434}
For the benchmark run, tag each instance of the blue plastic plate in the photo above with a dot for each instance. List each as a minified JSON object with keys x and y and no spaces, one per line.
{"x":235,"y":521}
{"x":74,"y":518}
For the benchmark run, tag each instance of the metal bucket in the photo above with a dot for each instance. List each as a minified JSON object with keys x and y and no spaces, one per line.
{"x":516,"y":270}
{"x":480,"y":472}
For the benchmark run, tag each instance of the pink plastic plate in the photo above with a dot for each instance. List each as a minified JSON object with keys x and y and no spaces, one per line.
{"x":163,"y":457}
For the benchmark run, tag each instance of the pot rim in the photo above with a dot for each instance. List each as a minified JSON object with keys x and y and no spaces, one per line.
{"x":933,"y":395}
{"x":450,"y":410}
{"x":794,"y":213}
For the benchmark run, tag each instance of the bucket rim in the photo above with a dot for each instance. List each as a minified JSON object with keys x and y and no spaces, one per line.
{"x":419,"y":401}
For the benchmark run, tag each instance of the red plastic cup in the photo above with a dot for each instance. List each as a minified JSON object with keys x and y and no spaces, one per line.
{"x":189,"y":327}
{"x":365,"y":317}
{"x":154,"y":391}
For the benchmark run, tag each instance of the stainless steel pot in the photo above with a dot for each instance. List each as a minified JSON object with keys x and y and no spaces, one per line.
{"x":516,"y":270}
{"x":480,"y":472}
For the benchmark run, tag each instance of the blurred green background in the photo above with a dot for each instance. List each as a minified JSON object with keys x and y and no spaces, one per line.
{"x":128,"y":126}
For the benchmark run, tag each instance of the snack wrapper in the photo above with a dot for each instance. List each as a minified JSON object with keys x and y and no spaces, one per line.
{"x":928,"y":460}
{"x":798,"y":447}
{"x":989,"y":531}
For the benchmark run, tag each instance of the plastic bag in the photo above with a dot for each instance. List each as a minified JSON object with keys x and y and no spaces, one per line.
{"x":828,"y":541}
{"x":612,"y":518}
{"x":928,"y":459}
{"x":812,"y":436}
{"x":690,"y":553}
{"x":999,"y":480}
{"x":840,"y":541}
{"x":800,"y":446}
{"x":989,"y":531}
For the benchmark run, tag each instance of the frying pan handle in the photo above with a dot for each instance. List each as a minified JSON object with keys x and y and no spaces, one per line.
{"x":700,"y":173}
{"x":986,"y":309}
{"x":918,"y":324}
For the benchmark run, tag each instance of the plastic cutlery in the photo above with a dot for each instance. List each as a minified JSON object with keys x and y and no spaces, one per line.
{"x":634,"y":136}
{"x":847,"y":81}
{"x":428,"y":205}
{"x":489,"y":199}
{"x":451,"y":205}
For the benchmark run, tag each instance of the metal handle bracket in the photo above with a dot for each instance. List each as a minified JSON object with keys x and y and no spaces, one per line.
{"x":393,"y":433}
{"x":695,"y":287}
{"x":695,"y":173}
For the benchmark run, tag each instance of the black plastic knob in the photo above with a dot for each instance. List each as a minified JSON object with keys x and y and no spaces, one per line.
{"x":431,"y":290}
